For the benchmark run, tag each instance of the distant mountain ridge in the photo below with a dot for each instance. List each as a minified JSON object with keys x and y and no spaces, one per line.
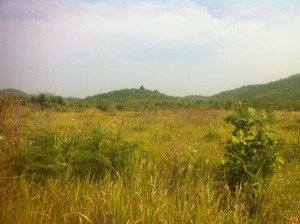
{"x":131,"y":94}
{"x":13,"y":92}
{"x":288,"y":88}
{"x":281,"y":94}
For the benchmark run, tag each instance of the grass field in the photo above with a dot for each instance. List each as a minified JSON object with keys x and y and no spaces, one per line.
{"x":170,"y":177}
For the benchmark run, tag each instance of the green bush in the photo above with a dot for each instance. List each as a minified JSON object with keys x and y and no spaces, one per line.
{"x":250,"y":155}
{"x":46,"y":101}
{"x":105,"y":107}
{"x":101,"y":151}
{"x":94,"y":152}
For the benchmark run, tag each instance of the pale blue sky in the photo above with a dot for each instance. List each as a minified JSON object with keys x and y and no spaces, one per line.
{"x":180,"y":47}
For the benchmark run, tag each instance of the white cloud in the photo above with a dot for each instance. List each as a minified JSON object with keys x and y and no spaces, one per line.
{"x":162,"y":39}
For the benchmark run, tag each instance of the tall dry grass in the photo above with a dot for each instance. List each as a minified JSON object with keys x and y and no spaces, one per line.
{"x":9,"y":119}
{"x":172,"y":179}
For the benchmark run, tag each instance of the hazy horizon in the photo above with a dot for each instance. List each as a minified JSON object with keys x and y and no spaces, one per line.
{"x":137,"y":87}
{"x":80,"y":48}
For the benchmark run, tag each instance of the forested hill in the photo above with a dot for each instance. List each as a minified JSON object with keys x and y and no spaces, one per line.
{"x":15,"y":92}
{"x":284,"y":93}
{"x":133,"y":99}
{"x":133,"y":94}
{"x":288,"y":88}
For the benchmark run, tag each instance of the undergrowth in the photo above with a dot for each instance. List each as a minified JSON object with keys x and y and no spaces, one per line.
{"x":93,"y":152}
{"x":64,"y":168}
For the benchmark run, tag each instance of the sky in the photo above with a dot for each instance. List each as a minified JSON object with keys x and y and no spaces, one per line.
{"x":180,"y":47}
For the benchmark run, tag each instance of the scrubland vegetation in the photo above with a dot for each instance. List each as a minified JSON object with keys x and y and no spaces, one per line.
{"x":148,"y":166}
{"x":283,"y":94}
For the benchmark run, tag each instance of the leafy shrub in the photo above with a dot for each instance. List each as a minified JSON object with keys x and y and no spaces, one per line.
{"x":46,"y":101}
{"x":102,"y":151}
{"x":250,"y":155}
{"x":91,"y":153}
{"x":88,"y":162}
{"x":41,"y":158}
{"x":43,"y":163}
{"x":105,"y":107}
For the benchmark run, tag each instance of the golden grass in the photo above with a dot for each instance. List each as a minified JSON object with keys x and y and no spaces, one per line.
{"x":172,"y":179}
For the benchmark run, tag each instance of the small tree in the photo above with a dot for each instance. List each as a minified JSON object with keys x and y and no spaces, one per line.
{"x":250,"y":153}
{"x":142,"y":87}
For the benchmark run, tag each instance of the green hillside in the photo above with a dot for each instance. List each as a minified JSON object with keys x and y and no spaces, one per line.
{"x":135,"y":94}
{"x":281,"y":94}
{"x":15,"y":92}
{"x":288,"y":88}
{"x":132,"y":99}
{"x":196,"y":97}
